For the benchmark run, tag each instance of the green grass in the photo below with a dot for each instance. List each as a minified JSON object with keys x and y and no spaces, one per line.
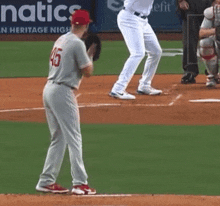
{"x":30,"y":59}
{"x":148,"y":159}
{"x":24,"y":59}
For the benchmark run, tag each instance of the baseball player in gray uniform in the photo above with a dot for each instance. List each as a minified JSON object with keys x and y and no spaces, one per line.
{"x":69,"y":61}
{"x":140,"y":40}
{"x":209,"y":43}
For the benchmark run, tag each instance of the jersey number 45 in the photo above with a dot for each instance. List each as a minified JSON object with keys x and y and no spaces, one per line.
{"x":55,"y":56}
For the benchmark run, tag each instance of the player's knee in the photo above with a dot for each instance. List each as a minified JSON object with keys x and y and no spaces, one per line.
{"x":206,"y":42}
{"x":156,"y":53}
{"x":138,"y":55}
{"x":159,"y":52}
{"x":207,"y":49}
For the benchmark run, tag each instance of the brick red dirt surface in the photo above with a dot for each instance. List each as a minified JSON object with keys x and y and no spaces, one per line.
{"x":21,"y":100}
{"x":133,"y":200}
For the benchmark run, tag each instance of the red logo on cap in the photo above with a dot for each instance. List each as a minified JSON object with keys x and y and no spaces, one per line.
{"x":80,"y":17}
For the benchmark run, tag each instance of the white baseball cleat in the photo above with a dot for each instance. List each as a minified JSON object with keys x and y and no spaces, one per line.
{"x":122,"y":95}
{"x":83,"y":190}
{"x":149,"y":91}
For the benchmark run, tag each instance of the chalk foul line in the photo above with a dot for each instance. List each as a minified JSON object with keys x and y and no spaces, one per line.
{"x":121,"y":105}
{"x":90,"y":105}
{"x":83,"y":105}
{"x":174,"y":101}
{"x":138,"y":195}
{"x":97,"y":105}
{"x":108,"y":195}
{"x":204,"y":100}
{"x":21,"y":110}
{"x":87,"y":106}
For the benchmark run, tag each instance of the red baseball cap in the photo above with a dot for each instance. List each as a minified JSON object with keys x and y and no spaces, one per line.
{"x":80,"y":17}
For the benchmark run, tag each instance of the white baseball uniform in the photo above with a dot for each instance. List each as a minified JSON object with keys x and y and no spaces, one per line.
{"x":140,"y":40}
{"x":67,"y":58}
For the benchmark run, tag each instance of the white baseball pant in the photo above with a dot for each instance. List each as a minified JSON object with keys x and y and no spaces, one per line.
{"x":140,"y":40}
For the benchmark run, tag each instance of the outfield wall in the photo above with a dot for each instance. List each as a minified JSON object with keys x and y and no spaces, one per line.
{"x":52,"y":16}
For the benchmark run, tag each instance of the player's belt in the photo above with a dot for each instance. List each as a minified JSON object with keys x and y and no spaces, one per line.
{"x":62,"y":84}
{"x":137,"y":14}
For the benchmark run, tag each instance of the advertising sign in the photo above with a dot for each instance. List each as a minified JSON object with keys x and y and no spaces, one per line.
{"x":52,"y":16}
{"x":44,"y":16}
{"x":163,"y":15}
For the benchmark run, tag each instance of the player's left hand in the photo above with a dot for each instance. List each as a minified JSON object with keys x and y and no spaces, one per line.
{"x":92,"y":50}
{"x":93,"y":46}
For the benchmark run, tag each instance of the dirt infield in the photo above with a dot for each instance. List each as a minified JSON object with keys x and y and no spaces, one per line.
{"x":123,"y":200}
{"x":21,"y":100}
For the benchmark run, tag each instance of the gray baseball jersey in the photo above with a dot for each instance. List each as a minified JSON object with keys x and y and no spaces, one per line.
{"x":67,"y":58}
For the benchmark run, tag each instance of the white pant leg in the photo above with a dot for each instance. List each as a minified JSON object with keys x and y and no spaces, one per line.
{"x":154,"y":53}
{"x":132,"y":31}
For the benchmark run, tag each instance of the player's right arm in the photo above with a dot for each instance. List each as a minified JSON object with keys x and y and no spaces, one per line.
{"x":83,"y":59}
{"x":203,"y":33}
{"x":87,"y":71}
